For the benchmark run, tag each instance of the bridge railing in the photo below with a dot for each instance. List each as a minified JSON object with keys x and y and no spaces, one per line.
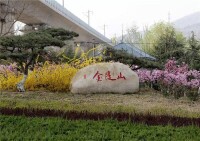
{"x":67,"y":14}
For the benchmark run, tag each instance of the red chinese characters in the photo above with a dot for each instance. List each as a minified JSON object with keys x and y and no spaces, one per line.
{"x":120,"y":76}
{"x":85,"y":76}
{"x":99,"y":77}
{"x":108,"y":76}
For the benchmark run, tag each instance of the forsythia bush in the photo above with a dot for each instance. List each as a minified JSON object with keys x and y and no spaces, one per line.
{"x":49,"y":77}
{"x":9,"y":81}
{"x":52,"y":77}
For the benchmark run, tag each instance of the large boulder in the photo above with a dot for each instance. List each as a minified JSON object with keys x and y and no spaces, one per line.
{"x":105,"y":78}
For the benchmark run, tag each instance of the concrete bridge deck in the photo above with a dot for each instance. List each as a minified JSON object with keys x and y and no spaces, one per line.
{"x":50,"y":12}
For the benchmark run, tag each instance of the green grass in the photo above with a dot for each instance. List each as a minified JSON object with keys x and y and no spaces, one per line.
{"x":56,"y":129}
{"x":142,"y":102}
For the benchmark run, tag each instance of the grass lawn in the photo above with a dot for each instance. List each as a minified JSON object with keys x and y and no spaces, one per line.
{"x":145,"y":101}
{"x":20,"y":128}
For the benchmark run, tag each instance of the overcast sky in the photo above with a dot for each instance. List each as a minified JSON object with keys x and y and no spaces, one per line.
{"x":114,"y":13}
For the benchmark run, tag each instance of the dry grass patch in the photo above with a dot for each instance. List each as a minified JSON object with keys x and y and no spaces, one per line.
{"x":145,"y":101}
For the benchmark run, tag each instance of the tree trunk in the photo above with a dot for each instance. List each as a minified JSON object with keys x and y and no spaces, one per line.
{"x":20,"y":85}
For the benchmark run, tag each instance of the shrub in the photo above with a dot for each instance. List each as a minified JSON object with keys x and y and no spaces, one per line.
{"x":47,"y":76}
{"x":175,"y":80}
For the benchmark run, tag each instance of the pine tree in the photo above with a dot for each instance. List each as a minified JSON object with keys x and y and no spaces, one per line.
{"x":24,"y":49}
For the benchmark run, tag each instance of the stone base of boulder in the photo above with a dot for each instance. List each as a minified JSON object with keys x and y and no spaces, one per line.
{"x":105,"y":78}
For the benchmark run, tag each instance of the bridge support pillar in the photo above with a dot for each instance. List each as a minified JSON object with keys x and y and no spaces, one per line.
{"x":7,"y":20}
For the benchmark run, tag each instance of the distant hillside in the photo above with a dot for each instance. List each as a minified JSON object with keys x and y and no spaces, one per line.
{"x":189,"y":23}
{"x":186,"y":25}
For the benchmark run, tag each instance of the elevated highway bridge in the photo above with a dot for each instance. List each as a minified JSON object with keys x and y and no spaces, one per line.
{"x":51,"y":13}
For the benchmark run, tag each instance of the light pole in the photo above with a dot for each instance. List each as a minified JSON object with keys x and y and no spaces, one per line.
{"x":63,"y":3}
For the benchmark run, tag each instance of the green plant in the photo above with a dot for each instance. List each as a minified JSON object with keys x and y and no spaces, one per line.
{"x":24,"y":49}
{"x":111,"y":54}
{"x":192,"y":52}
{"x":23,"y":128}
{"x":192,"y":94}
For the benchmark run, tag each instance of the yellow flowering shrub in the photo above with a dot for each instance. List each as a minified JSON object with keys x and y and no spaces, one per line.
{"x":9,"y":82}
{"x":49,"y":77}
{"x":52,"y":77}
{"x":84,"y":60}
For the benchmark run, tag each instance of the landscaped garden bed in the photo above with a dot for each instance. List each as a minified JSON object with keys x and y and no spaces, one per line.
{"x":45,"y":109}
